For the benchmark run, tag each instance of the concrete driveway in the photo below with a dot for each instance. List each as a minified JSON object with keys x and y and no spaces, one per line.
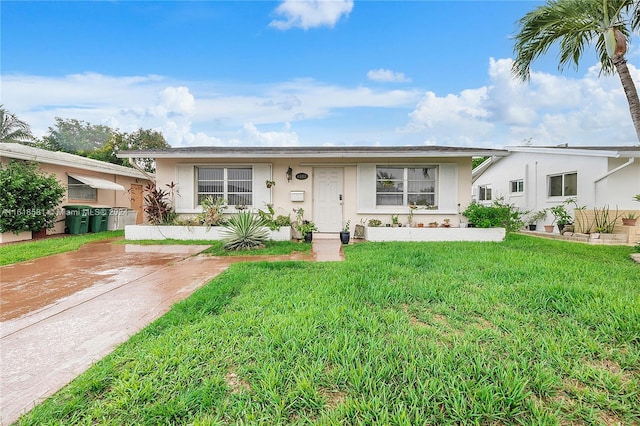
{"x":62,"y":313}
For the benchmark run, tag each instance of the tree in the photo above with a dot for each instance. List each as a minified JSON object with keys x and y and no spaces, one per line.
{"x":139,"y":140}
{"x":574,"y":24}
{"x":75,"y":136}
{"x":29,"y":198}
{"x":13,"y":129}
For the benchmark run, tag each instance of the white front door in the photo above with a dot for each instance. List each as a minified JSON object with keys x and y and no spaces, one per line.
{"x":327,"y":199}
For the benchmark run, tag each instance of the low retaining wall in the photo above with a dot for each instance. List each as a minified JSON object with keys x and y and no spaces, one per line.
{"x":434,"y":234}
{"x":151,"y":232}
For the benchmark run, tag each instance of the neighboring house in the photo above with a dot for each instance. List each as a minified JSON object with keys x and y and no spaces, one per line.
{"x":332,"y":184}
{"x":535,"y":178}
{"x":88,"y":182}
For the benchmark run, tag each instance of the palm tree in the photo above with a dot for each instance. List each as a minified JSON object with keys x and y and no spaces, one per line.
{"x":606,"y":24}
{"x":13,"y":129}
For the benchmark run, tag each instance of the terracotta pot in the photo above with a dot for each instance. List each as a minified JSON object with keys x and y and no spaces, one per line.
{"x":421,"y":225}
{"x":548,"y":228}
{"x":629,"y":222}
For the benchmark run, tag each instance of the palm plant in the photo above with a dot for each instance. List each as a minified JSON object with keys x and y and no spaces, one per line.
{"x":13,"y":129}
{"x":244,"y":231}
{"x":577,"y":23}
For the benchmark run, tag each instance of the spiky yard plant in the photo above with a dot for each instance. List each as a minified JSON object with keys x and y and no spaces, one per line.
{"x":244,"y":231}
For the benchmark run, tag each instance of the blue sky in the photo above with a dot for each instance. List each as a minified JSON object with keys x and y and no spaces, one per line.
{"x":303,"y":73}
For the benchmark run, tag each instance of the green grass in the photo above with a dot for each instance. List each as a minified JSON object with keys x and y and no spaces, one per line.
{"x":20,"y":252}
{"x":528,"y":331}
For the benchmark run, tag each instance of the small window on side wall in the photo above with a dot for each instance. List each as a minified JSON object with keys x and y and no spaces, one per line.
{"x":484,"y":193}
{"x":77,"y":190}
{"x":516,"y":186}
{"x":563,"y":185}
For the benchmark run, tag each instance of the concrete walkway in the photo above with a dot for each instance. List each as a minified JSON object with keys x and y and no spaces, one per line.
{"x":62,"y":313}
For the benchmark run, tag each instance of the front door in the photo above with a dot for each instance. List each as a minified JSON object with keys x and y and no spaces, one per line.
{"x":327,"y":199}
{"x":136,"y":201}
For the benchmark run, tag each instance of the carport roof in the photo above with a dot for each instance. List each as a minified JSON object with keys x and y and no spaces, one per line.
{"x":314,"y":152}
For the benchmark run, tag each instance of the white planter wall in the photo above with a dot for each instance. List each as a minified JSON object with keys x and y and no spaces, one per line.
{"x":434,"y":234}
{"x":150,"y":232}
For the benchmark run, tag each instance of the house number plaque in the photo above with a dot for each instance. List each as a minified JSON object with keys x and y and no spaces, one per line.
{"x":301,"y":176}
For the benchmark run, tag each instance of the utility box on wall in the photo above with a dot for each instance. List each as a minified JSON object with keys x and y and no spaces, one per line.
{"x":297,"y":195}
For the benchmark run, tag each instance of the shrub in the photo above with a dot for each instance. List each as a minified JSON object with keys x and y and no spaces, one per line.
{"x":244,"y":231}
{"x":212,"y":211}
{"x":158,"y":205}
{"x":28,"y":199}
{"x":498,"y":214}
{"x":271,"y":221}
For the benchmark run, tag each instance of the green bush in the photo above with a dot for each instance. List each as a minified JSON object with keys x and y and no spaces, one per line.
{"x":28,"y":199}
{"x":496,"y":215}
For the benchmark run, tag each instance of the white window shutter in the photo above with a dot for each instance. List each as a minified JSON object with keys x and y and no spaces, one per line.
{"x":366,"y":189}
{"x":186,"y":184}
{"x":261,"y":194}
{"x":448,"y":187}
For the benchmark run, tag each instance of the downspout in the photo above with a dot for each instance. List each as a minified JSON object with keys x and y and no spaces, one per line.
{"x":606,"y":175}
{"x":135,"y":166}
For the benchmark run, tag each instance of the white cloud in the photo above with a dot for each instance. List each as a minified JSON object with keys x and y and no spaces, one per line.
{"x":550,"y":109}
{"x":586,"y":110}
{"x":307,"y":14}
{"x":387,"y":76}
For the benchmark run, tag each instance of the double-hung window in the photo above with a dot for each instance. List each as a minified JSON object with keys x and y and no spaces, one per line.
{"x":404,"y":186}
{"x":563,"y":185}
{"x":233,"y":184}
{"x":516,"y":186}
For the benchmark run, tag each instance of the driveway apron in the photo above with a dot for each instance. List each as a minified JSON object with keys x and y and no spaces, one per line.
{"x":62,"y":313}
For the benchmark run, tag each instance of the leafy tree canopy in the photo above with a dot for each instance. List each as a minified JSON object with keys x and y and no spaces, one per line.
{"x":101,"y":142}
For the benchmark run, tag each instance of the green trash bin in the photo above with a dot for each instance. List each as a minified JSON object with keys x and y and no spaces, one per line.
{"x":99,"y":219}
{"x":76,"y":219}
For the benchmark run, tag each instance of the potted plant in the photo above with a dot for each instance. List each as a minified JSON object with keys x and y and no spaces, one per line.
{"x":306,"y":229}
{"x":535,"y":217}
{"x":630,"y":219}
{"x":560,"y":216}
{"x":345,"y":235}
{"x":270,"y":183}
{"x":433,"y":224}
{"x":395,"y":221}
{"x":447,"y":223}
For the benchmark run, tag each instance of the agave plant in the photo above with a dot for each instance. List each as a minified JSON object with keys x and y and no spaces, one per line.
{"x":244,"y":231}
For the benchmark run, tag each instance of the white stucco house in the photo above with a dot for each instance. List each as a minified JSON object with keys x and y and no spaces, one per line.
{"x":536,"y":177}
{"x":332,"y":184}
{"x":88,"y":182}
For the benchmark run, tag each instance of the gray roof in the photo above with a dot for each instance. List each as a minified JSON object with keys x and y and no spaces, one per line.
{"x":314,"y":152}
{"x":598,"y":151}
{"x":29,"y":153}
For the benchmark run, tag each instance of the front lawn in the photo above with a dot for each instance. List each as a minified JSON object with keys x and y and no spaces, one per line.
{"x":29,"y":250}
{"x":528,"y":331}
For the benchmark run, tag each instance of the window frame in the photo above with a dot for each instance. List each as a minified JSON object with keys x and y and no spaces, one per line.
{"x":519,"y":183}
{"x":563,"y":178}
{"x":225,"y":183}
{"x":482,"y":190}
{"x":403,"y":183}
{"x":82,"y":187}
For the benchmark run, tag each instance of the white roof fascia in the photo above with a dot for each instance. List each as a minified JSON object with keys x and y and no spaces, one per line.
{"x":311,"y":154}
{"x":575,"y":151}
{"x":23,"y":152}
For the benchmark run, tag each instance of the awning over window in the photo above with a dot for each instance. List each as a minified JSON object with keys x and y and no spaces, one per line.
{"x":97,"y":183}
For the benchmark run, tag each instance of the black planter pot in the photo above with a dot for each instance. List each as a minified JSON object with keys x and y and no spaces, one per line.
{"x":344,"y":237}
{"x":560,"y":227}
{"x":308,"y":237}
{"x":532,"y":227}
